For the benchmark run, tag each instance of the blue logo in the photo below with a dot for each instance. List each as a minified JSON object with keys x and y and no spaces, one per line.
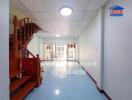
{"x":116,"y":10}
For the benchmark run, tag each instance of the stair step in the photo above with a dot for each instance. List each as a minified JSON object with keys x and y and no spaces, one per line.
{"x":17,"y":83}
{"x":24,"y":91}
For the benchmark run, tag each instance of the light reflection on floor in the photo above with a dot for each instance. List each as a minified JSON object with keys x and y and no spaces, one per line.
{"x":65,"y":81}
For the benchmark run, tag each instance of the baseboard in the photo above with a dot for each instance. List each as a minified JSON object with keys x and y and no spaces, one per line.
{"x":46,"y":60}
{"x":101,"y":91}
{"x":89,"y":74}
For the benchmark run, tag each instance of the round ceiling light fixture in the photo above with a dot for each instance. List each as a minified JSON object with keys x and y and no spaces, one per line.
{"x":57,"y":35}
{"x":66,"y":11}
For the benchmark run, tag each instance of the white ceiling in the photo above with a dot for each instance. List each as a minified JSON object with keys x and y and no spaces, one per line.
{"x":46,"y":14}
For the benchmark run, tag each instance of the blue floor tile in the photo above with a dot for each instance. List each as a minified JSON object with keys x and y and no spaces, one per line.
{"x":65,"y":81}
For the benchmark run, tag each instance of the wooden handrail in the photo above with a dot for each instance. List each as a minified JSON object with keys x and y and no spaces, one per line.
{"x":27,"y":50}
{"x":30,"y":53}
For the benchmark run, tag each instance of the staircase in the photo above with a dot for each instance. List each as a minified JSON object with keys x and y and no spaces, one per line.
{"x":24,"y":72}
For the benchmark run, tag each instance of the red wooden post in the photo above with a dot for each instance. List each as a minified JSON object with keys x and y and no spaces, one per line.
{"x":28,"y":33}
{"x":24,"y":33}
{"x":31,"y":28}
{"x":15,"y":45}
{"x":20,"y":32}
{"x":38,"y":71}
{"x":15,"y":27}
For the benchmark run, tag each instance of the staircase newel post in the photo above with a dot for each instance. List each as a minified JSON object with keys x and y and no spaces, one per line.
{"x":39,"y":71}
{"x":15,"y":44}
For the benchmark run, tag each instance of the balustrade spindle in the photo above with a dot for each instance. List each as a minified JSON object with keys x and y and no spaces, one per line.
{"x":28,"y":36}
{"x":24,"y":32}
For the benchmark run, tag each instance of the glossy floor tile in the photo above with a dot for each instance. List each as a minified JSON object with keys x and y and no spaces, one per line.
{"x":65,"y":81}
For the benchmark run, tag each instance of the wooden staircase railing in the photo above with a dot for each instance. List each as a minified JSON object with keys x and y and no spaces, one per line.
{"x":23,"y":32}
{"x":24,"y":67}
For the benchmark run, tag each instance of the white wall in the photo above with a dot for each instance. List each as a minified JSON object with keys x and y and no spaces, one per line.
{"x":60,"y":40}
{"x":4,"y":50}
{"x":90,"y":48}
{"x":41,"y":46}
{"x":118,"y":52}
{"x":35,"y":46}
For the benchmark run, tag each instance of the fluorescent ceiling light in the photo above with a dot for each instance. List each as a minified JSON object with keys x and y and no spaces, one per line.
{"x":57,"y":35}
{"x":66,"y":11}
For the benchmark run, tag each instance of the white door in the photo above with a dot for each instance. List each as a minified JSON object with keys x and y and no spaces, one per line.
{"x":59,"y":52}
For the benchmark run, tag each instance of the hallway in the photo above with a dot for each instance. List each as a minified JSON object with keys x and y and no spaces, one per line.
{"x":66,"y":50}
{"x":65,"y":81}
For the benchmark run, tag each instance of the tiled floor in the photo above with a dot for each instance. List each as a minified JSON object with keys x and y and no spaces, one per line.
{"x":65,"y":81}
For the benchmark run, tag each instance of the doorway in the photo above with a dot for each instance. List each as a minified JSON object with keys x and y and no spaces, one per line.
{"x":59,"y":52}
